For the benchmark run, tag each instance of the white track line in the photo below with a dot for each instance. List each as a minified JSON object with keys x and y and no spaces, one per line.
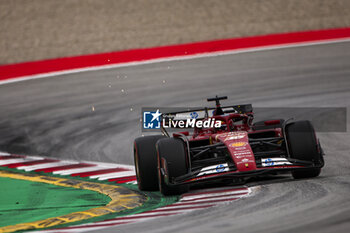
{"x":193,"y":197}
{"x":131,"y":182}
{"x":146,"y":214}
{"x":175,"y":58}
{"x":12,"y":161}
{"x":214,"y":199}
{"x":97,"y":166}
{"x":193,"y":206}
{"x":45,"y":165}
{"x":20,"y":160}
{"x":77,"y":170}
{"x":116,"y":165}
{"x":113,"y":175}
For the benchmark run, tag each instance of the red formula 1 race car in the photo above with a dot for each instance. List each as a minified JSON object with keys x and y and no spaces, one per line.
{"x":236,"y":150}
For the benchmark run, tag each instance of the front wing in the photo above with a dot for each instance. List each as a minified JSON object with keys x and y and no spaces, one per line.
{"x":227,"y":172}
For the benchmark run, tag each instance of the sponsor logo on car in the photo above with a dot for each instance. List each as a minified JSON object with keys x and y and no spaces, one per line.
{"x":213,"y":169}
{"x":234,"y":137}
{"x":268,"y":162}
{"x":242,"y":153}
{"x":194,"y":115}
{"x":238,"y":144}
{"x":240,"y":148}
{"x":220,"y":168}
{"x":242,"y":156}
{"x":244,"y":161}
{"x":265,"y":162}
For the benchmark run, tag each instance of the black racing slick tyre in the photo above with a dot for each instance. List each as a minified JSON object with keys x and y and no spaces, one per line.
{"x":171,"y":151}
{"x":302,"y":144}
{"x":145,"y":158}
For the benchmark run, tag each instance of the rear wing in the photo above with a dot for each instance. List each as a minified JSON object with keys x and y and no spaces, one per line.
{"x":174,"y":119}
{"x":202,"y":113}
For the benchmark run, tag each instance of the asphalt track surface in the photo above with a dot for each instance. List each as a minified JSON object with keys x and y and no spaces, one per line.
{"x":54,"y":117}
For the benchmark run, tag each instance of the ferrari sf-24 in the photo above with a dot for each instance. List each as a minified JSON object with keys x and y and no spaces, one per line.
{"x":237,"y":150}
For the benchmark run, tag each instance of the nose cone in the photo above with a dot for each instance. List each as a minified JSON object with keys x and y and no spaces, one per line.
{"x":238,"y":146}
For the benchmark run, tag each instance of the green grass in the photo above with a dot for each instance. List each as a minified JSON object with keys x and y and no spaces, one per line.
{"x":26,"y":201}
{"x":154,"y":200}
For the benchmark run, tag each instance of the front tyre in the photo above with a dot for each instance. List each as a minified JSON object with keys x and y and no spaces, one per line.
{"x":302,"y":144}
{"x":145,"y":158}
{"x":172,"y":154}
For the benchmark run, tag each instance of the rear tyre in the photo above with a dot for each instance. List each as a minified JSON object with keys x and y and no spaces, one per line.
{"x":145,"y":158}
{"x":171,"y":150}
{"x":302,"y":145}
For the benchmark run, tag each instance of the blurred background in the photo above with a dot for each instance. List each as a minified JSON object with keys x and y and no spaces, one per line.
{"x":42,"y":29}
